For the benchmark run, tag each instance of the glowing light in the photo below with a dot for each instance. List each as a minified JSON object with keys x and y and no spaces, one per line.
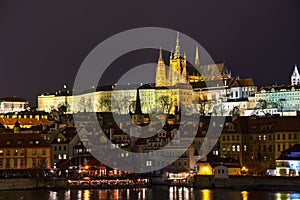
{"x":86,"y":195}
{"x":244,"y":195}
{"x":206,"y":194}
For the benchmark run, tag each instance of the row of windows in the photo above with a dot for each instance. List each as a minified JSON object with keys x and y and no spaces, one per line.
{"x":59,"y":148}
{"x":233,"y":138}
{"x":279,"y":136}
{"x":17,"y":152}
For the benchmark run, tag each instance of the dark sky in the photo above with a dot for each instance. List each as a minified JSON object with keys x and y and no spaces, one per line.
{"x":43,"y":43}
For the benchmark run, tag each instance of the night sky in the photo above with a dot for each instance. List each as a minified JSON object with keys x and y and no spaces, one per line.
{"x":43,"y":43}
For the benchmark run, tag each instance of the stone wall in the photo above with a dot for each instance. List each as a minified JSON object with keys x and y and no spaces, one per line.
{"x":29,"y":183}
{"x":248,"y":182}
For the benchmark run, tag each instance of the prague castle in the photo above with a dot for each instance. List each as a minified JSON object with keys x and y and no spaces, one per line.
{"x":213,"y":92}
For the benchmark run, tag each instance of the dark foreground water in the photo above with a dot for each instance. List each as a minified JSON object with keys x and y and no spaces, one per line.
{"x":154,"y":193}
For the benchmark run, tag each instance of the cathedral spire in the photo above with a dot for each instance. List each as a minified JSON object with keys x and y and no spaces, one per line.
{"x":138,"y":109}
{"x":197,"y":62}
{"x":160,"y":55}
{"x":177,"y":48}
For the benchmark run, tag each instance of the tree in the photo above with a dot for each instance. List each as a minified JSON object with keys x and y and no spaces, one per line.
{"x":89,"y":105}
{"x":165,"y":103}
{"x":235,"y":111}
{"x":82,"y":104}
{"x":104,"y":104}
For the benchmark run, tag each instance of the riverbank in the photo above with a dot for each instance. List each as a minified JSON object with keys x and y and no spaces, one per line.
{"x":248,"y":182}
{"x":31,"y":183}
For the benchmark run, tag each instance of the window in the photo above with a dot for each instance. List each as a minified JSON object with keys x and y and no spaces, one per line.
{"x":278,"y":147}
{"x":237,"y":137}
{"x":259,"y":137}
{"x":7,"y":152}
{"x":37,"y":142}
{"x":283,"y":136}
{"x":238,"y":148}
{"x":270,"y":137}
{"x":55,"y":148}
{"x":15,"y":163}
{"x":290,"y":136}
{"x":228,"y":138}
{"x":264,"y":148}
{"x":44,"y":152}
{"x":278,"y":136}
{"x":283,"y":147}
{"x":59,"y":148}
{"x":19,"y":142}
{"x":1,"y":163}
{"x":65,"y":148}
{"x":33,"y":162}
{"x":7,"y":163}
{"x":295,"y":136}
{"x":149,"y":163}
{"x":264,"y":137}
{"x":245,"y":147}
{"x":59,"y":156}
{"x":1,"y":152}
{"x":270,"y":148}
{"x":65,"y":156}
{"x":22,"y":163}
{"x":223,"y":138}
{"x":16,"y":152}
{"x":22,"y":152}
{"x":233,"y":138}
{"x":233,"y":147}
{"x":224,"y":148}
{"x":34,"y":152}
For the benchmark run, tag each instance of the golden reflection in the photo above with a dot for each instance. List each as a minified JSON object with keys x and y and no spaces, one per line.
{"x":86,"y":195}
{"x":280,"y":196}
{"x":205,"y":194}
{"x":244,"y":195}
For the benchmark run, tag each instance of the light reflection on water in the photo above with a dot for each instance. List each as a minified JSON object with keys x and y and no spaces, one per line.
{"x":156,"y":192}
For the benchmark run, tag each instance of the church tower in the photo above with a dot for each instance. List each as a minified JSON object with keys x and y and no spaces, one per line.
{"x":177,"y":66}
{"x":295,"y":78}
{"x":160,"y":78}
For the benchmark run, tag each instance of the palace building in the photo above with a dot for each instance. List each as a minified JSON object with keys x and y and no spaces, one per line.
{"x":213,"y":92}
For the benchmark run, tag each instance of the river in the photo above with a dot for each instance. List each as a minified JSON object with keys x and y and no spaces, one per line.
{"x":154,"y":193}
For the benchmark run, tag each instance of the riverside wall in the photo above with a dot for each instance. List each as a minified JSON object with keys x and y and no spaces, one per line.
{"x":248,"y":182}
{"x":30,"y":183}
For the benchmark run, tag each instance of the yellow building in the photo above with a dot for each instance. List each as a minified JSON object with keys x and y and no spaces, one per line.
{"x":24,"y":151}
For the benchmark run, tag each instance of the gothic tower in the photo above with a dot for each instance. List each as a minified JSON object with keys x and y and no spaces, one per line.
{"x":295,"y":78}
{"x":177,"y":66}
{"x":160,"y":78}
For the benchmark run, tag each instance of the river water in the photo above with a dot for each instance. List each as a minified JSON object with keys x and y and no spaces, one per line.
{"x":154,"y":193}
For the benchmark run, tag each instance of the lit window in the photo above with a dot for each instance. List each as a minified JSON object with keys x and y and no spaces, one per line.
{"x":37,"y":142}
{"x":1,"y":152}
{"x":148,"y":163}
{"x":59,"y":156}
{"x":233,"y":147}
{"x":264,"y":137}
{"x":238,"y":148}
{"x":245,"y":147}
{"x":65,"y":156}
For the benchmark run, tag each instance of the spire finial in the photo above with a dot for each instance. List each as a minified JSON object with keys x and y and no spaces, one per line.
{"x":160,"y":54}
{"x":197,"y":62}
{"x":177,"y":48}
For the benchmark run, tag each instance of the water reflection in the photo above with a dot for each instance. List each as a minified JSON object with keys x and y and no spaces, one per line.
{"x":156,"y":192}
{"x":244,"y":195}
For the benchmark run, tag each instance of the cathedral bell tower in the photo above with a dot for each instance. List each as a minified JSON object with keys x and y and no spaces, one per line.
{"x":160,"y":78}
{"x":177,"y":71}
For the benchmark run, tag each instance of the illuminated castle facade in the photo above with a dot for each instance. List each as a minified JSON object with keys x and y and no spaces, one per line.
{"x":210,"y":92}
